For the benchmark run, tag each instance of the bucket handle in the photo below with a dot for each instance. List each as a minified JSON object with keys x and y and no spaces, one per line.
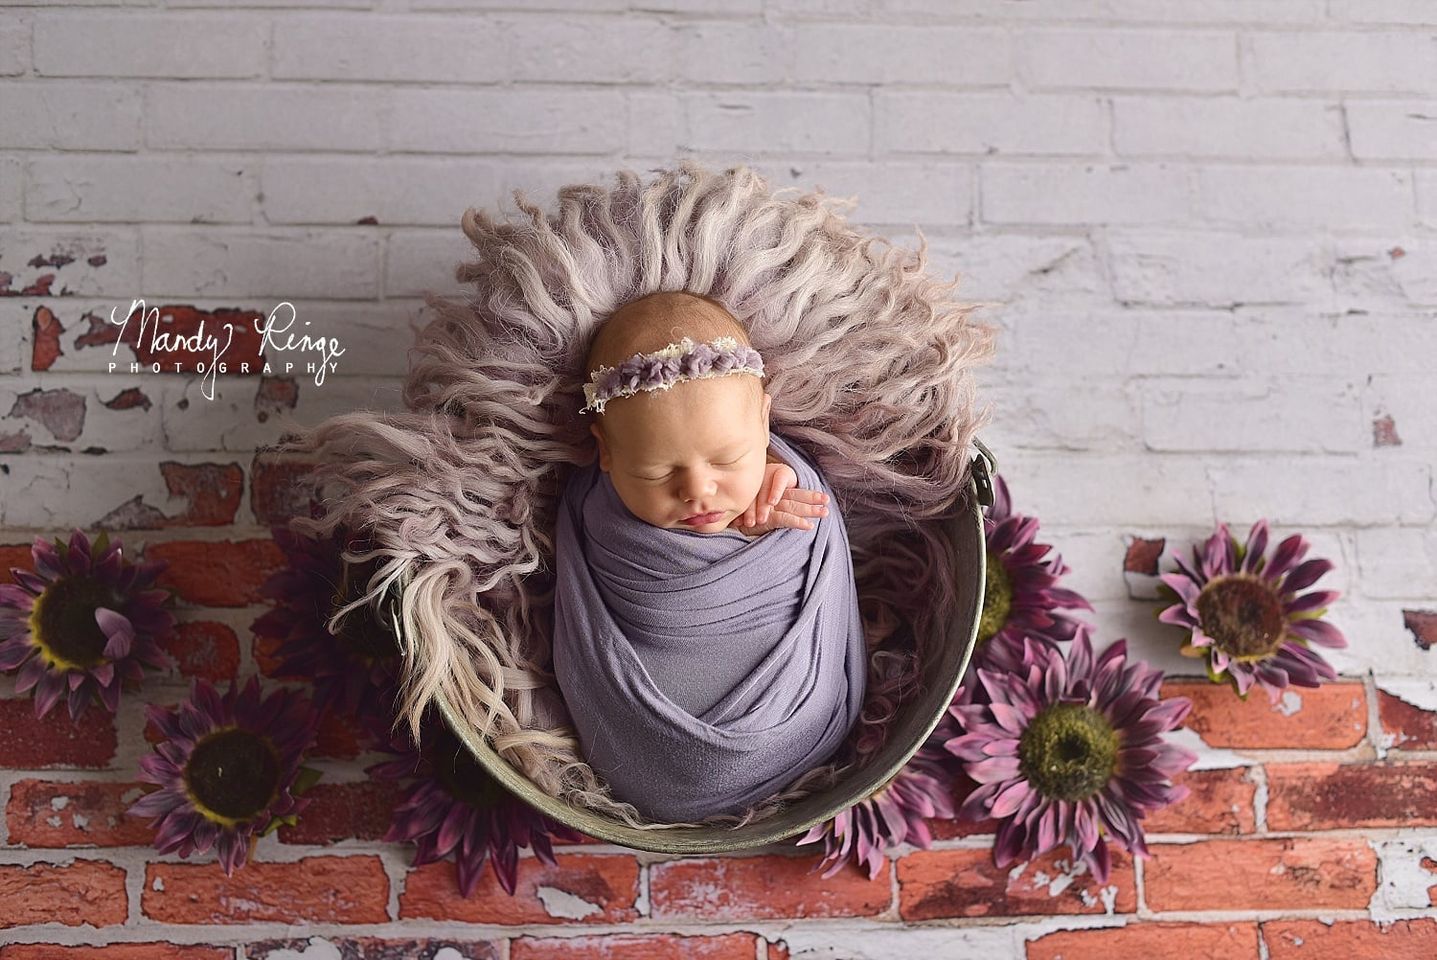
{"x":985,"y":467}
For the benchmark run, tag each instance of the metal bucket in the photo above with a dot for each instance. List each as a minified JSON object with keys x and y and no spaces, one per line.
{"x":914,"y":722}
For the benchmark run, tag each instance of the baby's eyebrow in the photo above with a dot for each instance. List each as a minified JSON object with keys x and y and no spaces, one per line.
{"x":731,"y":450}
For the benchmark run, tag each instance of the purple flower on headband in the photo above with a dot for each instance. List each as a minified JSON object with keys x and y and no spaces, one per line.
{"x":663,"y":368}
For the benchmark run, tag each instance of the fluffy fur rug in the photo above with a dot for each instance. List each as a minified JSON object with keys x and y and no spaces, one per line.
{"x":869,"y":363}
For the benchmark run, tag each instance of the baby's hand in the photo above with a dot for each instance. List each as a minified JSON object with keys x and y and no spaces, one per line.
{"x":781,"y":502}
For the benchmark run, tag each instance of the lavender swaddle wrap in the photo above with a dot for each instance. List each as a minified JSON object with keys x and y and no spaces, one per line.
{"x":704,"y":672}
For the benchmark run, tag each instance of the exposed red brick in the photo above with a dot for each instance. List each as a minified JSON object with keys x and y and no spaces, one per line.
{"x":1351,"y":940}
{"x":345,"y":811}
{"x":373,"y":948}
{"x":778,"y":951}
{"x":1293,"y":873}
{"x":1384,"y":432}
{"x":129,"y":399}
{"x":933,"y":884}
{"x":1331,"y":796}
{"x":116,"y":951}
{"x":175,"y":321}
{"x":1191,"y":941}
{"x":56,"y":742}
{"x":660,"y":946}
{"x":340,"y":737}
{"x":279,"y":488}
{"x":1410,"y":727}
{"x":1143,"y":555}
{"x":1423,"y":626}
{"x":204,"y":648}
{"x":748,"y":888}
{"x":212,"y":489}
{"x":219,"y":573}
{"x":46,"y":813}
{"x":86,"y":891}
{"x":45,"y":329}
{"x":351,"y":889}
{"x":1220,"y":801}
{"x":60,"y":411}
{"x":14,"y":555}
{"x":581,"y":888}
{"x":1331,"y":717}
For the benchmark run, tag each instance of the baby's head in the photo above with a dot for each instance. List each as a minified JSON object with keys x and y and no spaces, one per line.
{"x":699,"y":446}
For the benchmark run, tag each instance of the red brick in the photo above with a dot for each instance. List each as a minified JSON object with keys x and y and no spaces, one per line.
{"x":179,"y":320}
{"x":345,"y":811}
{"x":1410,"y":727}
{"x":1293,"y":873}
{"x":1333,"y":796}
{"x":339,"y":737}
{"x":1350,"y":940}
{"x":756,"y":888}
{"x":86,"y":891}
{"x":217,"y":573}
{"x":279,"y":489}
{"x":206,"y":649}
{"x":15,"y":555}
{"x":934,"y":884}
{"x":1191,"y":941}
{"x":116,"y":951}
{"x":372,"y":948}
{"x":45,"y":346}
{"x":351,"y":889}
{"x":609,"y":885}
{"x":1220,"y":801}
{"x":213,"y":490}
{"x":56,"y":742}
{"x":1331,"y":717}
{"x":44,"y":813}
{"x":662,"y":946}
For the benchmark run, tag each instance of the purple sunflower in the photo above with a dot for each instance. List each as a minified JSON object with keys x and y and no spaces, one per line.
{"x":83,"y":624}
{"x":228,"y":769}
{"x":353,"y":670}
{"x":1244,"y":614}
{"x":897,"y":813}
{"x":454,"y":806}
{"x":1021,"y":596}
{"x":1068,"y":749}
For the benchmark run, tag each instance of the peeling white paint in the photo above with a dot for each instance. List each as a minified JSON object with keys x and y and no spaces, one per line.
{"x":1403,"y":882}
{"x":1419,"y":692}
{"x":158,"y":884}
{"x":1208,"y":758}
{"x":59,"y":803}
{"x":566,"y":906}
{"x":1110,"y":898}
{"x":1290,"y":703}
{"x":317,"y":949}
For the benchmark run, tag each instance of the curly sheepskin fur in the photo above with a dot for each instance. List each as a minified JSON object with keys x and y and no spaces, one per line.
{"x":869,"y":363}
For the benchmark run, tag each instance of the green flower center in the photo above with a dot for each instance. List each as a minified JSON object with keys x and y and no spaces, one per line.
{"x":63,"y":622}
{"x":463,"y":777}
{"x":997,"y":599}
{"x":365,"y":635}
{"x":232,"y":775}
{"x":1068,"y":752}
{"x":1243,"y":616}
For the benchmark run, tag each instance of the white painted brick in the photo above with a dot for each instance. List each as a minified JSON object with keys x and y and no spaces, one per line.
{"x":103,"y":428}
{"x":913,"y":121}
{"x":275,"y":116}
{"x":268,"y":266}
{"x":371,"y":47}
{"x":1228,"y":128}
{"x":12,"y":185}
{"x":750,"y":122}
{"x":886,"y":191}
{"x":720,"y":51}
{"x":287,"y":4}
{"x":14,"y":44}
{"x":1377,"y":640}
{"x":1395,"y":272}
{"x":1327,"y":490}
{"x":127,"y":45}
{"x":55,"y":491}
{"x":375,"y":336}
{"x":1415,"y":12}
{"x":540,"y":183}
{"x":655,"y":125}
{"x":703,"y":8}
{"x":585,"y":6}
{"x":1267,"y":12}
{"x":545,"y":48}
{"x":1293,"y":341}
{"x":1301,"y":415}
{"x":1117,"y":59}
{"x":948,"y":56}
{"x":834,"y":940}
{"x":1094,"y":489}
{"x":1064,"y":193}
{"x":417,"y":261}
{"x":522,"y":121}
{"x":392,"y":189}
{"x":1409,"y":400}
{"x":1397,"y":562}
{"x":1426,"y":182}
{"x":1325,"y":198}
{"x":1377,"y":62}
{"x":1388,"y":130}
{"x":44,"y":115}
{"x":1012,"y":267}
{"x":1066,"y":413}
{"x":91,"y":188}
{"x":1216,"y":269}
{"x":100,"y":263}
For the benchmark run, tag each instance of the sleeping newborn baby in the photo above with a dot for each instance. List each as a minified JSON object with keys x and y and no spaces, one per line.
{"x":707,"y":636}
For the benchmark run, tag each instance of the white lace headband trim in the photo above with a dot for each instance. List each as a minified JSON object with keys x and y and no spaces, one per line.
{"x":676,"y":362}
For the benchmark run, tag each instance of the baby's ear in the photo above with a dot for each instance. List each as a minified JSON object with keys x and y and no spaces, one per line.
{"x":603,"y":447}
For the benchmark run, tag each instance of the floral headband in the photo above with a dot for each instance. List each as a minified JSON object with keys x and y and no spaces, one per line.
{"x":660,"y":370}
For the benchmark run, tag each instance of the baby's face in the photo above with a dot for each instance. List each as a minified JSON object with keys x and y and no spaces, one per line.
{"x":699,"y":447}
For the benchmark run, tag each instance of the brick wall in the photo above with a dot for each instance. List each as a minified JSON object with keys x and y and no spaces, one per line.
{"x":1208,"y":228}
